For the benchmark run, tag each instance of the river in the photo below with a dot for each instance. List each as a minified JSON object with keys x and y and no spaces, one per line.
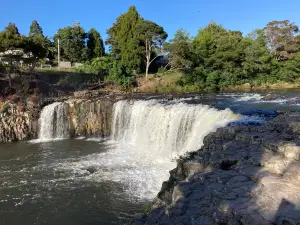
{"x":110,"y":181}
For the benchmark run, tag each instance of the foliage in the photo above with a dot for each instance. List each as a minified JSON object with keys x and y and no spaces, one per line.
{"x":35,"y":29}
{"x":119,"y":75}
{"x":110,"y":70}
{"x":123,"y":42}
{"x":100,"y":65}
{"x":152,"y":36}
{"x":282,"y":39}
{"x":95,"y":45}
{"x":180,"y":50}
{"x":72,"y":42}
{"x":215,"y":58}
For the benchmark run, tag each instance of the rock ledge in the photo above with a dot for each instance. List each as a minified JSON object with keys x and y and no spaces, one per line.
{"x":241,"y":176}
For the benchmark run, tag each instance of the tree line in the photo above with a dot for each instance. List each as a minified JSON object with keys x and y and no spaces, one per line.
{"x":215,"y":58}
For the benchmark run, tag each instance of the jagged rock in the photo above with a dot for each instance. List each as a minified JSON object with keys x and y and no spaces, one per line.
{"x":86,"y":118}
{"x":242,"y":175}
{"x":90,"y":117}
{"x":16,"y":125}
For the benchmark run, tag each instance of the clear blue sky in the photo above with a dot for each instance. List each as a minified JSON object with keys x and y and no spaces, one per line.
{"x":243,"y":15}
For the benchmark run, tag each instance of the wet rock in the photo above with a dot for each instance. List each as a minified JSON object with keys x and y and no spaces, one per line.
{"x":169,"y":97}
{"x":91,"y":170}
{"x":270,"y":97}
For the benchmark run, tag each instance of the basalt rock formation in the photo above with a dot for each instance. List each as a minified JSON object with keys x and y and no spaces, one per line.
{"x":17,"y":125}
{"x":85,"y":117}
{"x":243,"y":175}
{"x":90,"y":117}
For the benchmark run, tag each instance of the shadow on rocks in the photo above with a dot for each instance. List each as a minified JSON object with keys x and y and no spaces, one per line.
{"x":243,"y":175}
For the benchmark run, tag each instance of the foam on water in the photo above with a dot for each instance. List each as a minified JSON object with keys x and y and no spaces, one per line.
{"x":146,"y":138}
{"x":249,"y":97}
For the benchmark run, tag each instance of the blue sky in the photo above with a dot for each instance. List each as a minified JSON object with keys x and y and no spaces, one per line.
{"x":171,"y":14}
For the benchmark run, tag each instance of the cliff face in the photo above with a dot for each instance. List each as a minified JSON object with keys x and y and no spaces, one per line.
{"x":16,"y":125}
{"x":242,"y":175}
{"x":85,"y":117}
{"x":90,"y":118}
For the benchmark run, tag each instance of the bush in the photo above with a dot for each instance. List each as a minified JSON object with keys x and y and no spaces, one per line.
{"x":120,"y":76}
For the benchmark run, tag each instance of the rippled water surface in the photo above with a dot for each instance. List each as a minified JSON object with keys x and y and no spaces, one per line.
{"x":45,"y":183}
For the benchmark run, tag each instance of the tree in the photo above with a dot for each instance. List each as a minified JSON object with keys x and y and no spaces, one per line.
{"x":19,"y":51}
{"x":180,"y":50}
{"x":257,"y":60}
{"x":152,"y":36}
{"x":95,"y":44}
{"x":282,"y":39}
{"x":72,"y":39}
{"x":123,"y":42}
{"x":35,"y":29}
{"x":11,"y":48}
{"x":37,"y":44}
{"x":220,"y":52}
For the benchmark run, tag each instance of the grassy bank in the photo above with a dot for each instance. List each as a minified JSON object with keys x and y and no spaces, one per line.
{"x":171,"y":82}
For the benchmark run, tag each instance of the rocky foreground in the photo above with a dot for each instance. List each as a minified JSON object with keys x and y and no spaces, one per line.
{"x":241,"y":176}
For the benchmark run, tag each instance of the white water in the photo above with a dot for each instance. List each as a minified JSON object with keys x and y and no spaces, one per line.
{"x":146,"y":138}
{"x":165,"y":131}
{"x":54,"y":122}
{"x":249,"y":97}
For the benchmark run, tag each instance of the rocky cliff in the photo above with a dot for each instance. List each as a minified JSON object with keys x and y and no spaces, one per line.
{"x":243,"y":175}
{"x":17,"y":124}
{"x":85,"y":118}
{"x":90,"y":117}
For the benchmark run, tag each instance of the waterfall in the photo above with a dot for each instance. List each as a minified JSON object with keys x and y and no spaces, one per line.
{"x":54,"y":122}
{"x":165,"y":131}
{"x":146,"y":136}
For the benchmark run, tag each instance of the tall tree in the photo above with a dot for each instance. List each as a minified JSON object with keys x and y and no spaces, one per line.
{"x":282,"y":39}
{"x":95,"y":44}
{"x":37,"y":42}
{"x":122,"y":40}
{"x":180,"y":50}
{"x":152,"y":36}
{"x":72,"y":39}
{"x":35,"y":29}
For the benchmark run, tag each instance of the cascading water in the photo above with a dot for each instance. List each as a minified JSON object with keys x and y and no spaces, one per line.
{"x":146,"y":137}
{"x":165,"y":131}
{"x":54,"y":122}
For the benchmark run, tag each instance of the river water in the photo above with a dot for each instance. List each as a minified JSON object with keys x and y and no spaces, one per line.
{"x":96,"y":181}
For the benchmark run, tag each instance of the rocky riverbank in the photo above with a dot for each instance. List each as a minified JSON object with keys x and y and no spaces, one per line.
{"x":247,"y":175}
